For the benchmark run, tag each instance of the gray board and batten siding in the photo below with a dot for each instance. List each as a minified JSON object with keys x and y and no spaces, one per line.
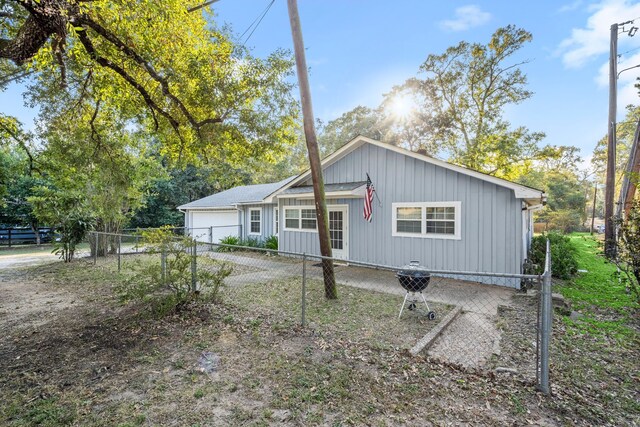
{"x":266,"y":228}
{"x":491,"y":215}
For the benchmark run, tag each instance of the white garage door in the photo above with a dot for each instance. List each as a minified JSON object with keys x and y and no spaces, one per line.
{"x":223,"y":223}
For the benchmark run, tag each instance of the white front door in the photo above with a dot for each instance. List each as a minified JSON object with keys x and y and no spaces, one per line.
{"x":339,"y":231}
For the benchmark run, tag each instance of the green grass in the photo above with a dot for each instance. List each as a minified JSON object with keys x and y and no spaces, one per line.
{"x":598,"y":294}
{"x":358,"y":314}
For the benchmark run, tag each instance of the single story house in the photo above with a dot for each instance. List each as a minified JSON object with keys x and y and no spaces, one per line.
{"x":445,"y":216}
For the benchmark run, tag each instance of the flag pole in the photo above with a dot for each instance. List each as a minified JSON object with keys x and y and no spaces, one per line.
{"x":374,"y":190}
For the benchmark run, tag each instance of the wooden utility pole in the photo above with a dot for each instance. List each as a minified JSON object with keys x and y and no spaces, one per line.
{"x":609,"y":224}
{"x":330,"y":290}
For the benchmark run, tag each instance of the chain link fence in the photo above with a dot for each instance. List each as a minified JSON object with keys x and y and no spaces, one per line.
{"x":478,"y":320}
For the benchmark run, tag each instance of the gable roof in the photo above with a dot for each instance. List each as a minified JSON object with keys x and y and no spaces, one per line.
{"x":520,"y":191}
{"x":237,"y":195}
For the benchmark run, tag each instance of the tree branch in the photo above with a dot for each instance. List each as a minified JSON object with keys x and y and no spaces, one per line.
{"x":164,"y":84}
{"x":88,"y":45}
{"x":22,"y":145}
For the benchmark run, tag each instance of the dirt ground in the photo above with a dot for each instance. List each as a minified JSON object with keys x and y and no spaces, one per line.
{"x":71,"y":354}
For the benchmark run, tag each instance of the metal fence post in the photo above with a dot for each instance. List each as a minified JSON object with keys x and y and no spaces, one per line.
{"x":211,"y":234}
{"x":119,"y":250}
{"x":194,"y":267}
{"x":545,"y":324}
{"x":163,"y":266}
{"x":9,"y":235}
{"x":95,"y":248}
{"x":304,"y":288}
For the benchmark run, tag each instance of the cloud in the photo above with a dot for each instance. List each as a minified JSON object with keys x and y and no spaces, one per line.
{"x":627,"y":93}
{"x":569,"y":7}
{"x":466,"y":17}
{"x":589,"y":42}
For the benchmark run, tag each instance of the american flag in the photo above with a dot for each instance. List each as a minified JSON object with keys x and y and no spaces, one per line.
{"x":368,"y":199}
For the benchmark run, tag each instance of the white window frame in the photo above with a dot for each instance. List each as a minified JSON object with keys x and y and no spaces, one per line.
{"x":276,"y":221}
{"x":299,"y":208}
{"x":423,"y":207}
{"x":259,"y":232}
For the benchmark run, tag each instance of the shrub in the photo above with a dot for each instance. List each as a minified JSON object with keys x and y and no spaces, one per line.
{"x":563,"y":255}
{"x":151,"y":283}
{"x":628,"y":259}
{"x":252,"y":242}
{"x":229,"y":240}
{"x":271,"y":242}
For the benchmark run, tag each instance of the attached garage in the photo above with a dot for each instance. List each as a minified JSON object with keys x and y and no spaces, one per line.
{"x":228,"y":213}
{"x":213,"y":225}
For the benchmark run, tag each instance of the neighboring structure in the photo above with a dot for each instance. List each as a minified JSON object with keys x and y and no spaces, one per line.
{"x":445,"y":216}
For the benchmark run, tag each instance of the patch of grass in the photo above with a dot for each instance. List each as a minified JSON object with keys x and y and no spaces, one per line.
{"x":358,"y":314}
{"x":597,"y":294}
{"x":599,"y":287}
{"x":43,"y":412}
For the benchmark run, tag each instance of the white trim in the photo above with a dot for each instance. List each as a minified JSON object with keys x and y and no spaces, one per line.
{"x":276,"y":221}
{"x":423,"y":234}
{"x":252,"y":233}
{"x":520,"y":191}
{"x":345,"y":231}
{"x":227,"y":210}
{"x":356,"y":193}
{"x":298,"y":208}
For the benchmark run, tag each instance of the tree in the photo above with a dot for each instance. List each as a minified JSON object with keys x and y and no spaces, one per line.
{"x":465,"y":92}
{"x":183,"y":185}
{"x":68,"y":213}
{"x":358,"y":121}
{"x":625,"y":132}
{"x":168,"y":71}
{"x":628,"y":260}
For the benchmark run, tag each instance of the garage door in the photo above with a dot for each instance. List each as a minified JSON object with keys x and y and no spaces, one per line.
{"x":223,"y":223}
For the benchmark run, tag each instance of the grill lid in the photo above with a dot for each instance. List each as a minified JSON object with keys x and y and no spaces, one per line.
{"x":414,"y":269}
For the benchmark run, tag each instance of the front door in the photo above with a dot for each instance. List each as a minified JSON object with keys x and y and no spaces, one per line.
{"x":339,"y":231}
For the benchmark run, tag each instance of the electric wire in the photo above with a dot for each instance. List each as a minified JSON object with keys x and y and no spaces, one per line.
{"x":256,"y":23}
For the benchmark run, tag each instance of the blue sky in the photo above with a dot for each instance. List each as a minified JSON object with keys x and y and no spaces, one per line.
{"x":357,"y":50}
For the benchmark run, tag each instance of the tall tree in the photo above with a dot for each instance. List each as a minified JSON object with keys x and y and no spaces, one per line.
{"x":466,"y":89}
{"x":164,"y":69}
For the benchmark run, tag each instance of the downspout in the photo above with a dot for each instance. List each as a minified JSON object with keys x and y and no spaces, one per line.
{"x":186,"y":217}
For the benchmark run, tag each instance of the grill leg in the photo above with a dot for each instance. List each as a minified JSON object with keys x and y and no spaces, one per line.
{"x":403,"y":303}
{"x":425,"y":301}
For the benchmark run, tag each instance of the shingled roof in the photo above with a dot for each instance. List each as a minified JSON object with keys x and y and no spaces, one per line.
{"x":236,"y":195}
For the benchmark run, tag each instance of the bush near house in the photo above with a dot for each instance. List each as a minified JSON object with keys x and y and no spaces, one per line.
{"x":270,"y":242}
{"x":563,"y":254}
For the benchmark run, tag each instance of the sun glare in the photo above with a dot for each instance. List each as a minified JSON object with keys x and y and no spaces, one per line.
{"x":402,"y":106}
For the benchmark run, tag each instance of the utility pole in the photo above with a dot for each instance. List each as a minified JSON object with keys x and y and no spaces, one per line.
{"x":330,"y":290}
{"x":609,"y":224}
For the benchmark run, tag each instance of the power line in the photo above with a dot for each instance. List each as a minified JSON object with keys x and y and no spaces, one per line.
{"x":630,"y":50}
{"x":256,"y":22}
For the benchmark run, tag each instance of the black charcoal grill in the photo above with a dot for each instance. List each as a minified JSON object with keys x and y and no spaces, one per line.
{"x":414,"y":279}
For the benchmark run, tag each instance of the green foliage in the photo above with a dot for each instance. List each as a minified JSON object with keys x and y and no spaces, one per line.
{"x":249,"y":242}
{"x":175,"y":275}
{"x":183,"y":185}
{"x":566,"y":199}
{"x":271,"y":242}
{"x":563,"y":255}
{"x":67,"y":213}
{"x":252,"y":242}
{"x":463,"y":97}
{"x":173,"y":74}
{"x":228,"y":240}
{"x":628,"y":259}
